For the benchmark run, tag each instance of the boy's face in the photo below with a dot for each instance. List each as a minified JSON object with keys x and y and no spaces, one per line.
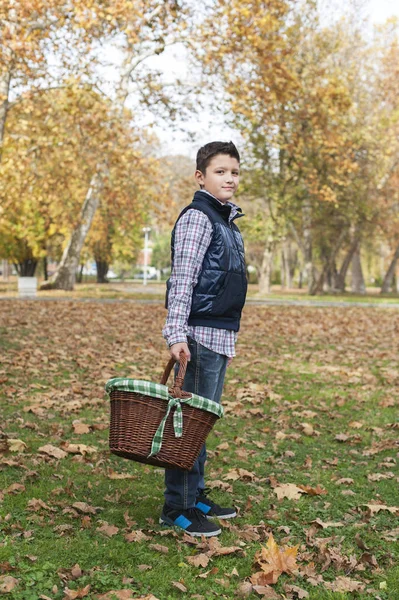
{"x":221,"y":177}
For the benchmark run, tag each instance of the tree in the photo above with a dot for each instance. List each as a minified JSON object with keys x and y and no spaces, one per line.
{"x":142,"y":37}
{"x":58,"y":138}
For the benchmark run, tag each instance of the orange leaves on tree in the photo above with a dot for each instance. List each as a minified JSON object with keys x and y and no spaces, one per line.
{"x":273,"y":561}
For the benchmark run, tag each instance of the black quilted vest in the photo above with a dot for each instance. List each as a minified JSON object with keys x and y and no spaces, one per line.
{"x":219,"y":296}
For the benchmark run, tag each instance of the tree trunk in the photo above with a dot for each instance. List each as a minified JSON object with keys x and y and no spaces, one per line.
{"x":265,"y":272}
{"x":341,"y":276}
{"x":387,"y":283}
{"x":65,"y":276}
{"x":5,"y":81}
{"x":287,"y":266}
{"x":45,"y":269}
{"x":26,"y":268}
{"x":318,"y":284}
{"x":307,"y":245}
{"x":358,"y":284}
{"x":79,"y":275}
{"x":102,"y":270}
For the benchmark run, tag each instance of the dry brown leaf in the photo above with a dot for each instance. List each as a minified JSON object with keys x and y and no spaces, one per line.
{"x":297,"y":591}
{"x":274,"y":561}
{"x":380,"y":476}
{"x":108,"y":530}
{"x":79,"y":449}
{"x":373,"y":509}
{"x":37,"y":504}
{"x":76,"y":594}
{"x":144,"y":567}
{"x":76,"y":572}
{"x":7,"y":584}
{"x":325,"y":525}
{"x":179,"y":586}
{"x":159,"y":548}
{"x":85,"y":508}
{"x":345,"y":584}
{"x":136,"y":536}
{"x":244,"y":589}
{"x":119,"y":594}
{"x":313,"y":491}
{"x":81,"y":428}
{"x":53,"y":451}
{"x":113,"y":475}
{"x":199,"y":560}
{"x":266,"y":592}
{"x":16,"y":445}
{"x":15,"y":488}
{"x":288,"y":490}
{"x":344,"y":481}
{"x":307,"y":429}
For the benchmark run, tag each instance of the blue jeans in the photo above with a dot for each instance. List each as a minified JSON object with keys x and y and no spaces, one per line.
{"x":205,"y":377}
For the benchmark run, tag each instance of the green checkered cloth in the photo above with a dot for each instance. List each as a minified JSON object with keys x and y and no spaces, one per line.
{"x":157,"y":390}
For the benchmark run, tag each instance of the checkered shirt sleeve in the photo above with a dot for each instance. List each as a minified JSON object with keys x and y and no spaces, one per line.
{"x":193,"y":235}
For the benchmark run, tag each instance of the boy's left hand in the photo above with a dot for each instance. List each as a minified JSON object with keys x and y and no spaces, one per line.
{"x":229,"y":361}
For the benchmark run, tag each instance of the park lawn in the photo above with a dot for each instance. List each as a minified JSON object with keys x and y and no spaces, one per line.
{"x":311,"y":399}
{"x":155,"y":291}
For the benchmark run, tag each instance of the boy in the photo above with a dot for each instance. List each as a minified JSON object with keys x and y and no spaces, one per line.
{"x":206,"y":294}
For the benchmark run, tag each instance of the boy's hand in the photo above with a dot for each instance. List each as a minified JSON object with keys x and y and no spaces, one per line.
{"x":175,"y":350}
{"x":230,"y":360}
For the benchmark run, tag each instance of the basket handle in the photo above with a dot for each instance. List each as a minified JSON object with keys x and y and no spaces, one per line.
{"x":176,"y":391}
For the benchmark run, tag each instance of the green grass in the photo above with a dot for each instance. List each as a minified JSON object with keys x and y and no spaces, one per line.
{"x":282,"y":372}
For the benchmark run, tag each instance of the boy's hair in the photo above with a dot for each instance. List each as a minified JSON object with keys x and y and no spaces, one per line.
{"x":207,"y":152}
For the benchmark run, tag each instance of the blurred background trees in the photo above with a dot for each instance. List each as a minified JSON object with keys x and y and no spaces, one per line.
{"x":315,"y":103}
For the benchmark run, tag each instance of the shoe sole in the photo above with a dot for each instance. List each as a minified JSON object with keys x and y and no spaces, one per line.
{"x":230,"y":516}
{"x":192,"y":533}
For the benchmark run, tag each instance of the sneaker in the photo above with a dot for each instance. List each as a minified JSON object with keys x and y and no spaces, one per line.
{"x":191,"y":520}
{"x":212,"y":510}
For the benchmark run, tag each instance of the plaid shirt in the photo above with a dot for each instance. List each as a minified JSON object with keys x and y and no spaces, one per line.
{"x":192,"y":238}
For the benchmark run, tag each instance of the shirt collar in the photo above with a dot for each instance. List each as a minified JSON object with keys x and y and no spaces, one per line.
{"x":234,"y":208}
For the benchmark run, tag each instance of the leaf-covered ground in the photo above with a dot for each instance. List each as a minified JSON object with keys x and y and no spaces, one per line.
{"x":308,"y":451}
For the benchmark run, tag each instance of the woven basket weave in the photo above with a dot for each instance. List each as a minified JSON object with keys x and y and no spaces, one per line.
{"x":135,"y":419}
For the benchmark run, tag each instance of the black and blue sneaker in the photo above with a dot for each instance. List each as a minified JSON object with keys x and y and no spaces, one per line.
{"x":212,"y":510}
{"x":191,"y":520}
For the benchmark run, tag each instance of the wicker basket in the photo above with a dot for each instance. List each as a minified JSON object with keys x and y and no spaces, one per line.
{"x":136,"y":417}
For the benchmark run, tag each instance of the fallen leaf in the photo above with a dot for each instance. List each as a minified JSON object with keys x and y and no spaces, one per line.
{"x":325,"y":525}
{"x":344,"y":584}
{"x":16,"y":445}
{"x":85,"y":508}
{"x":313,"y":491}
{"x":136,"y":536}
{"x":159,"y":548}
{"x":199,"y":560}
{"x":380,"y":476}
{"x":297,"y":591}
{"x":80,"y":428}
{"x":244,"y":589}
{"x":53,"y":451}
{"x":119,"y":594}
{"x":113,"y":475}
{"x":109,"y":530}
{"x":74,"y":594}
{"x":179,"y":586}
{"x":274,"y":561}
{"x":288,"y":490}
{"x":7,"y":584}
{"x":15,"y":488}
{"x":266,"y":592}
{"x":79,"y":449}
{"x":37,"y":504}
{"x":375,"y":508}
